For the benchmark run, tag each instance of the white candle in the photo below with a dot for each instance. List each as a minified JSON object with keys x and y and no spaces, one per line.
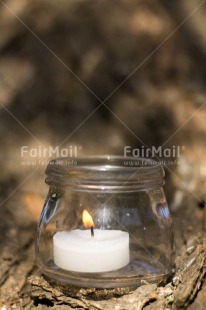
{"x":77,"y":251}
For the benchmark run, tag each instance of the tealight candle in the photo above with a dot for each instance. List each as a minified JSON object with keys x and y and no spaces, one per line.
{"x":91,"y":250}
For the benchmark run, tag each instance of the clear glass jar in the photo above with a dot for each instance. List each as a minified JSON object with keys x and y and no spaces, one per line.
{"x":125,"y":235}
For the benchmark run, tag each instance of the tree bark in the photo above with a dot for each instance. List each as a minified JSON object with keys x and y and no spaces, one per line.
{"x":23,"y":286}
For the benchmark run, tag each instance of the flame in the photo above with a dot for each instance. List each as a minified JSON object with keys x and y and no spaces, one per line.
{"x":87,"y":219}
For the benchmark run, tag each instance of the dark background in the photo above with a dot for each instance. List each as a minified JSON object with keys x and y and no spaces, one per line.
{"x":101,"y":75}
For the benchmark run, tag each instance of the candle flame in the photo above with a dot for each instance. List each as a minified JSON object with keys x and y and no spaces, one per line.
{"x":87,"y":219}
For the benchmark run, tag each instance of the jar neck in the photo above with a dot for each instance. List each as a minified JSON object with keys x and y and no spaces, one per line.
{"x":105,"y":173}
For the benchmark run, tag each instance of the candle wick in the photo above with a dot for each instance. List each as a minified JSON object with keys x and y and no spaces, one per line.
{"x":92,"y":231}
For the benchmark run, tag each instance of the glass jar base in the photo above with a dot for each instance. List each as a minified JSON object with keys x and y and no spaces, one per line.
{"x":118,"y":278}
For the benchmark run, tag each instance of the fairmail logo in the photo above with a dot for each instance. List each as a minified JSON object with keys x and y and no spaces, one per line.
{"x":44,"y":152}
{"x":158,"y":152}
{"x":42,"y":155}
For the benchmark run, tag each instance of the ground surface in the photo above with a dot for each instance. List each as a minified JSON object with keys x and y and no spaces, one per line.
{"x":100,"y":76}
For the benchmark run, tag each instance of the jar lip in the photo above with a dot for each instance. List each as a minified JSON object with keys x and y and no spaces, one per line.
{"x":109,"y":171}
{"x":102,"y":162}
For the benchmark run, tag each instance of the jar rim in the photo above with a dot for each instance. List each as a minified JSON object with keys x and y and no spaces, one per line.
{"x":108,"y":171}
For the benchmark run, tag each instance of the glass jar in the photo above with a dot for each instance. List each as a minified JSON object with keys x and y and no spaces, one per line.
{"x":105,"y":223}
